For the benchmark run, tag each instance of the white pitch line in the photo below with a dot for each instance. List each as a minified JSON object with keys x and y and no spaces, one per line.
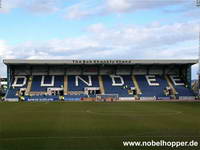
{"x":87,"y":137}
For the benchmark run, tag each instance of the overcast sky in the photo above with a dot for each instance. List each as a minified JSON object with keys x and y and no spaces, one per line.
{"x":99,"y":29}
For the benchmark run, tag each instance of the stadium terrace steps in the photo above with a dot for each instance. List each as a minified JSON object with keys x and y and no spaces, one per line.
{"x":139,"y":92}
{"x":101,"y":85}
{"x":29,"y":85}
{"x":65,"y":85}
{"x":171,"y":85}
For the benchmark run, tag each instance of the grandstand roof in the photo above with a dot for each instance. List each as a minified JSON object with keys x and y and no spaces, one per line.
{"x":111,"y":62}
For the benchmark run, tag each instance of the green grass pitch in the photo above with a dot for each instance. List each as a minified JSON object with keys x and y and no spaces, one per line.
{"x":96,"y":126}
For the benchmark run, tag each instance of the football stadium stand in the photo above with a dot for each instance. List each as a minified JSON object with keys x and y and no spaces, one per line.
{"x":92,"y":80}
{"x":195,"y":86}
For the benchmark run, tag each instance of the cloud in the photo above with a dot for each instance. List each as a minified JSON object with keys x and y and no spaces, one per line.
{"x":77,"y":12}
{"x":101,"y":41}
{"x":88,"y":8}
{"x":142,"y":37}
{"x":42,"y":6}
{"x":195,"y":71}
{"x":34,"y":6}
{"x":105,"y":7}
{"x":8,"y":5}
{"x":4,"y":50}
{"x":153,"y":41}
{"x":83,"y":9}
{"x":134,"y":5}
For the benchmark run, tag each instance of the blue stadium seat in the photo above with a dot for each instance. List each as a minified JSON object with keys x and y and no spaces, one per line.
{"x":151,"y":91}
{"x":72,"y":83}
{"x":11,"y":91}
{"x":180,"y":86}
{"x":36,"y":83}
{"x":120,"y":90}
{"x":183,"y":91}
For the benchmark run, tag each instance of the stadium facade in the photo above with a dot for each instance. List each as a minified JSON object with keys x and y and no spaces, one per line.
{"x":97,"y":80}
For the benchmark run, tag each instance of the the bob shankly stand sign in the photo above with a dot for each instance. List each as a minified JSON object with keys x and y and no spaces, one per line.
{"x":102,"y":62}
{"x":129,"y":62}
